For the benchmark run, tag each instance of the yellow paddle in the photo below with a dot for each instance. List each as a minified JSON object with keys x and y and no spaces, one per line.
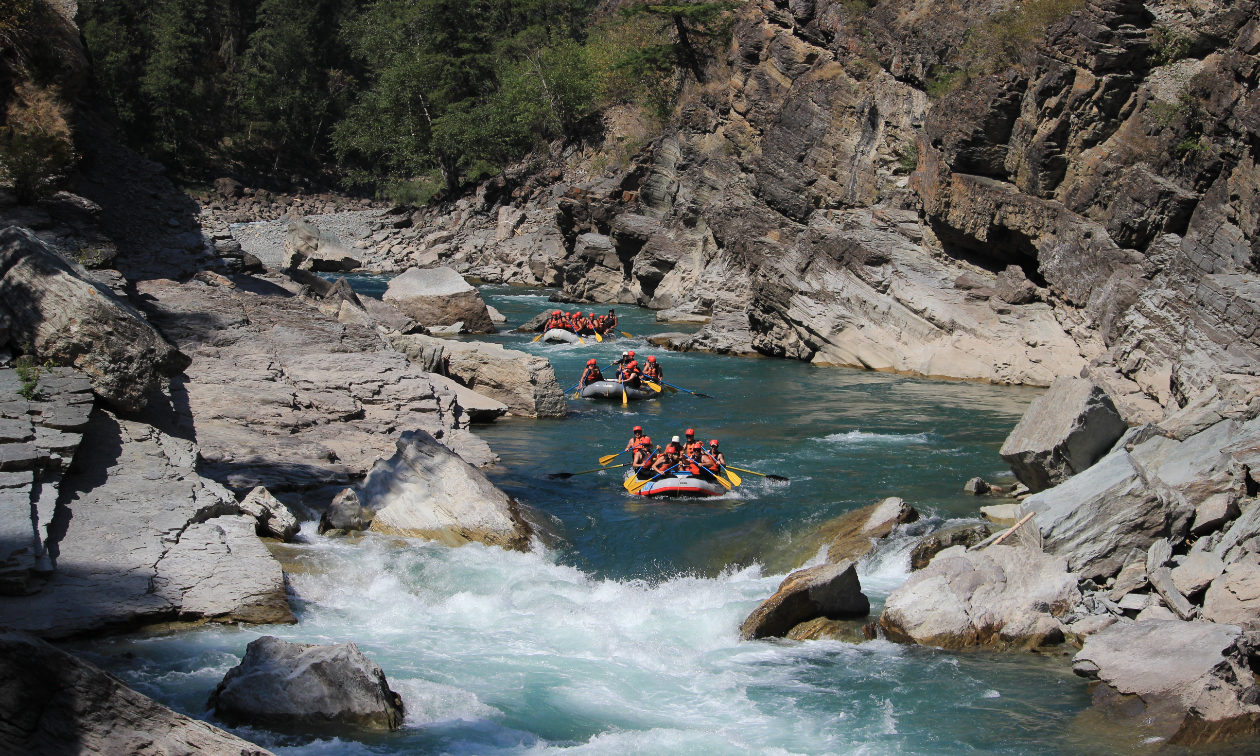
{"x":609,"y":458}
{"x":633,"y":484}
{"x":725,"y":483}
{"x":599,"y":338}
{"x":628,"y":336}
{"x":734,"y":478}
{"x":536,"y":338}
{"x":624,"y":399}
{"x":583,"y":343}
{"x":654,"y":387}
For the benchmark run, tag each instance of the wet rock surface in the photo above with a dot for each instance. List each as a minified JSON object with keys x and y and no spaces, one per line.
{"x":831,"y":591}
{"x":281,"y":683}
{"x":58,"y":704}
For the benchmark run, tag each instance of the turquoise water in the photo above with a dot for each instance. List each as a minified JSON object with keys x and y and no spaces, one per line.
{"x":619,"y":635}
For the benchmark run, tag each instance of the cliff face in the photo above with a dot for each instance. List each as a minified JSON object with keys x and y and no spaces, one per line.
{"x":1094,"y":207}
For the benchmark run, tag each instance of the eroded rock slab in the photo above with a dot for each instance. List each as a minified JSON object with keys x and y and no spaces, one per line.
{"x":832,"y":591}
{"x":439,"y":297}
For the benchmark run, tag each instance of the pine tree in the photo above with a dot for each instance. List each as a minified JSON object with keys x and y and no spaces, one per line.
{"x":695,"y":25}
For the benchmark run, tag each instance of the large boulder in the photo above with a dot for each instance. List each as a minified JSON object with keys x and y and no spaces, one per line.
{"x":1003,"y":597}
{"x":274,"y":518}
{"x":345,"y":513}
{"x":1187,"y":683}
{"x":282,"y":683}
{"x":525,"y":383}
{"x":853,"y":535}
{"x":1234,"y":597}
{"x":308,"y":247}
{"x":827,"y":590}
{"x":439,"y":297}
{"x":1062,"y":433}
{"x":57,"y":704}
{"x":56,"y":310}
{"x":425,"y":490}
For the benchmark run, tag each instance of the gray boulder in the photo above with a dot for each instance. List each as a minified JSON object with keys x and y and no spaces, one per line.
{"x":1002,"y":597}
{"x":1234,"y":597}
{"x":1063,"y":432}
{"x":274,"y":518}
{"x":70,"y":319}
{"x":439,"y":297}
{"x":1013,"y":287}
{"x":1196,"y":572}
{"x":427,"y":491}
{"x":345,"y":513}
{"x":57,"y":704}
{"x":282,"y":683}
{"x":963,"y":535}
{"x":827,"y":590}
{"x":1214,"y":512}
{"x":308,"y":247}
{"x":853,"y":535}
{"x":1185,"y":682}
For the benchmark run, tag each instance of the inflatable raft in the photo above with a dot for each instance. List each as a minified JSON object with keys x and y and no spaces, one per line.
{"x":612,"y":390}
{"x":681,"y":485}
{"x":560,"y":336}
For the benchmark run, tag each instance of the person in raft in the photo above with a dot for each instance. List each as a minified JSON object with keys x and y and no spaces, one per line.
{"x":714,"y":460}
{"x":610,"y":320}
{"x":642,"y":446}
{"x":669,"y":459}
{"x":554,"y":321}
{"x":652,"y":370}
{"x":632,"y":375}
{"x":692,"y":449}
{"x":591,"y":374}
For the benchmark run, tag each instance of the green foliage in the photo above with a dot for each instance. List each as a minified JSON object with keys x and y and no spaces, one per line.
{"x":1006,"y":37}
{"x":942,"y":80}
{"x":28,"y":372}
{"x":35,"y":143}
{"x":1169,"y":45}
{"x":908,"y":159}
{"x":1192,"y":144}
{"x":697,"y":27}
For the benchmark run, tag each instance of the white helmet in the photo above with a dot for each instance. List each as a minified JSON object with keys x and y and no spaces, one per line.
{"x":674,"y":440}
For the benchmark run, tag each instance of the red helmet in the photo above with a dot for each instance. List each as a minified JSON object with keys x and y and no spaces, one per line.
{"x":638,"y":427}
{"x":591,"y":361}
{"x":713,"y":442}
{"x":630,"y":353}
{"x":651,"y":358}
{"x":634,"y":363}
{"x":590,"y":314}
{"x":557,"y":312}
{"x":690,"y":432}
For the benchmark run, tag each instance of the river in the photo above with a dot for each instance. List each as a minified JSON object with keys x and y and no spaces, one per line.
{"x":619,"y":636}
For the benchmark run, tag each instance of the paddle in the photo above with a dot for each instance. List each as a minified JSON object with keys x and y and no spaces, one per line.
{"x":567,"y":475}
{"x":609,"y":458}
{"x":628,"y":336}
{"x":599,"y":338}
{"x":633,"y":484}
{"x":725,"y":483}
{"x":539,"y":336}
{"x":779,"y":478}
{"x":653,"y":386}
{"x":689,"y":391}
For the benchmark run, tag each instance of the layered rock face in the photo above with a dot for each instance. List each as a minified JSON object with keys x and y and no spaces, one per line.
{"x":57,"y":704}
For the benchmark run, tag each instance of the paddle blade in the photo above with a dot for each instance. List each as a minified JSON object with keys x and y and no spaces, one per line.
{"x":653,"y":386}
{"x":628,"y":336}
{"x":725,"y":483}
{"x":609,"y":458}
{"x":633,"y":484}
{"x":671,"y":389}
{"x":735,"y":479}
{"x":560,"y":476}
{"x":624,"y":399}
{"x":779,"y":478}
{"x":583,"y":343}
{"x":536,"y":338}
{"x":599,"y":338}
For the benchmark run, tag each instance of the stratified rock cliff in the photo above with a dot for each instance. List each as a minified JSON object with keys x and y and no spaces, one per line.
{"x":1091,"y":207}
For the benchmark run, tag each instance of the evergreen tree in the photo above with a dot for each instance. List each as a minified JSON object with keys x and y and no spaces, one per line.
{"x":695,"y":25}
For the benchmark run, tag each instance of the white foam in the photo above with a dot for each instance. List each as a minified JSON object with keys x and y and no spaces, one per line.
{"x":858,"y":437}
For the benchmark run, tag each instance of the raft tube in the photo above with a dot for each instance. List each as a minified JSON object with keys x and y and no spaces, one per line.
{"x":682,"y":485}
{"x":612,"y":390}
{"x":560,"y":336}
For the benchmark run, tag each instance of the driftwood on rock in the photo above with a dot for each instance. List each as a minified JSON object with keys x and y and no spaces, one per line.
{"x":55,"y":310}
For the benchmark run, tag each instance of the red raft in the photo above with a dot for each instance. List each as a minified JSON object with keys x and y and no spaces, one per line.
{"x":681,"y":485}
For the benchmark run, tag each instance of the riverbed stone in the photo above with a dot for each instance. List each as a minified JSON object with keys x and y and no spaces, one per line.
{"x":55,"y":703}
{"x":1063,"y":433}
{"x":1214,"y":512}
{"x":273,"y":517}
{"x":963,"y":535}
{"x":1196,"y":572}
{"x":1234,"y":597}
{"x":282,"y":683}
{"x":826,"y":590}
{"x":345,"y":513}
{"x":1002,"y":597}
{"x":1185,"y":682}
{"x":853,"y":535}
{"x":439,"y":297}
{"x":426,"y":491}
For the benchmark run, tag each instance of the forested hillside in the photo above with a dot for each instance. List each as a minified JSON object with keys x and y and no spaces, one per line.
{"x":402,"y":97}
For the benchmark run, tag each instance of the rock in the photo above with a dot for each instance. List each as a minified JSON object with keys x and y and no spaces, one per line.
{"x":345,"y":513}
{"x":274,"y":518}
{"x":1187,"y":683}
{"x":426,"y":491}
{"x":1013,"y":287}
{"x":1234,"y":543}
{"x":1002,"y":596}
{"x":1002,"y":514}
{"x":1135,"y":602}
{"x":1131,"y":578}
{"x":1063,"y":432}
{"x":821,"y":628}
{"x":1214,"y":512}
{"x":1099,"y":517}
{"x":478,"y":407}
{"x":827,"y":590}
{"x":439,"y":297}
{"x":1078,"y":631}
{"x":976,"y":486}
{"x":58,"y":704}
{"x":308,"y":247}
{"x":853,"y":535}
{"x":524,"y":382}
{"x":1159,"y":554}
{"x":1156,"y":612}
{"x":71,"y":320}
{"x":1162,"y":581}
{"x":388,"y":316}
{"x":1196,"y":572}
{"x":667,"y":340}
{"x":964,"y":535}
{"x":495,"y":315}
{"x":282,"y":683}
{"x":229,"y":188}
{"x":1234,"y":597}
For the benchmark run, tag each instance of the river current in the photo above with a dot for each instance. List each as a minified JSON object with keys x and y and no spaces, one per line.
{"x":617,"y":634}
